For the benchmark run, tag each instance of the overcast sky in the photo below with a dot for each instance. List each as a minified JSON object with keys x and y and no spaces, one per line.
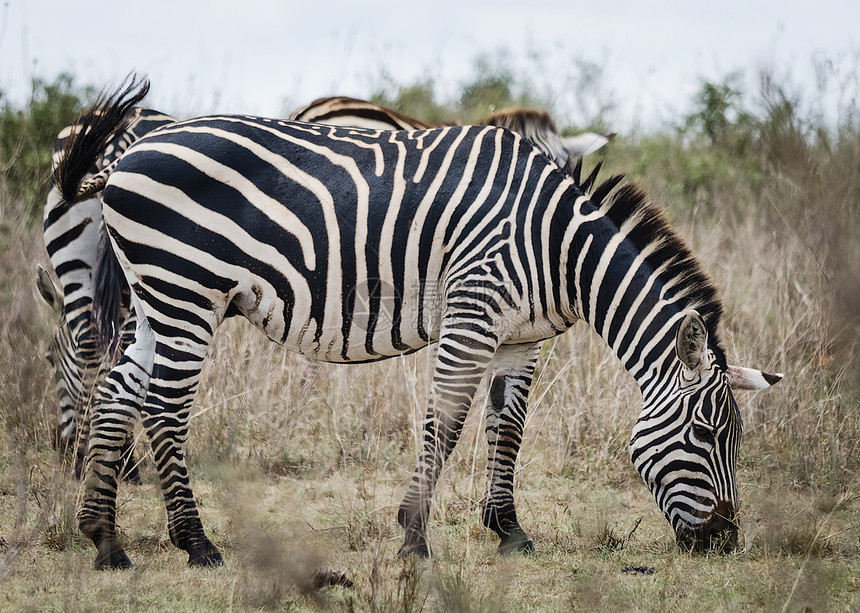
{"x":267,"y":57}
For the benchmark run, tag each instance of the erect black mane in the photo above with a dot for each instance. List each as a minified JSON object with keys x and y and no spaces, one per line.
{"x":629,"y":203}
{"x":522,"y":121}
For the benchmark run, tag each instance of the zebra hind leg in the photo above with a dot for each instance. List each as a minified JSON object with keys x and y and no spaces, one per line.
{"x":97,"y":516}
{"x":128,"y":471}
{"x":506,"y":413}
{"x":117,"y":409}
{"x":166,"y":415}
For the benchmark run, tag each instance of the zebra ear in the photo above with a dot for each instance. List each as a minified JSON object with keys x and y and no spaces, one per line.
{"x":691,"y":341}
{"x":49,"y":291}
{"x":585,"y":143}
{"x":741,"y":378}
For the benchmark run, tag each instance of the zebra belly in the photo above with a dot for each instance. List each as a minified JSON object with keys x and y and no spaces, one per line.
{"x":369,"y":325}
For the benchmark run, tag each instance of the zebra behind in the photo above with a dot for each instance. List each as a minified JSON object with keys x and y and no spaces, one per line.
{"x":537,"y":126}
{"x":470,"y":238}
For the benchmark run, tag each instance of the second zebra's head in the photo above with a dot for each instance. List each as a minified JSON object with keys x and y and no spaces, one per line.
{"x":685,"y":443}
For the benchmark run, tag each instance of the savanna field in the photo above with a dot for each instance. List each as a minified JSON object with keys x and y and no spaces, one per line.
{"x":299,"y":466}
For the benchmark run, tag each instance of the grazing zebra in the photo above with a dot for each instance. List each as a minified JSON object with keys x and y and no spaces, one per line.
{"x":467,"y":236}
{"x":72,"y":238}
{"x":73,"y":246}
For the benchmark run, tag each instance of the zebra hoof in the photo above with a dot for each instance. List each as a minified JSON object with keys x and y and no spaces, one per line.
{"x":516,"y":544}
{"x":418,"y":550}
{"x":115,"y":560}
{"x":206,"y":560}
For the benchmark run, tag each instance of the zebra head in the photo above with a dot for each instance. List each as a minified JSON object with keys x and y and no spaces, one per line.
{"x":62,"y":355}
{"x":685,"y":443}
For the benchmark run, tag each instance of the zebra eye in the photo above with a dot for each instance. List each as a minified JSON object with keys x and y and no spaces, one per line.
{"x":704,"y":434}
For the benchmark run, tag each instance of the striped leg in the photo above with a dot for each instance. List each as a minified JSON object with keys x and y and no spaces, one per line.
{"x":128,"y":469}
{"x":81,"y":420}
{"x":464,"y":351}
{"x":92,"y":371}
{"x":87,"y":361}
{"x":166,"y":414}
{"x":506,"y":414}
{"x":118,"y":402}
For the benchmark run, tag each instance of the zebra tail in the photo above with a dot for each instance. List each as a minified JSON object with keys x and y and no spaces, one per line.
{"x":109,"y":117}
{"x":106,"y":120}
{"x":107,"y":300}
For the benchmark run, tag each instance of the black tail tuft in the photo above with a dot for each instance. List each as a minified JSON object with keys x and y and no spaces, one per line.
{"x":104,"y":121}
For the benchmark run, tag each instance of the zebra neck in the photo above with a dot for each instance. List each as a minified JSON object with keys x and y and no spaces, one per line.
{"x":614,"y":286}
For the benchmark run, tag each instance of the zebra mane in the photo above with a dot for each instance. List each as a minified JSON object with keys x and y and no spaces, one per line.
{"x":107,"y":119}
{"x":325,"y":109}
{"x":669,"y":253}
{"x":522,"y":121}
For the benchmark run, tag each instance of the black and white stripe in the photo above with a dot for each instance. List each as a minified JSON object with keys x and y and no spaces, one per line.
{"x":468,"y":236}
{"x":73,"y":237}
{"x":73,"y":245}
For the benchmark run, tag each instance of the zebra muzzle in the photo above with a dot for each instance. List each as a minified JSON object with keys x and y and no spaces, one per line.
{"x":719,"y":534}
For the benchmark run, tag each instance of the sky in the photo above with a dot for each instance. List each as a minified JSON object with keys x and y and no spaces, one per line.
{"x":267,"y":58}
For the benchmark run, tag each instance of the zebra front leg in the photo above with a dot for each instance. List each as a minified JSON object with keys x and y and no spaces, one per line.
{"x":513,"y":367}
{"x":81,"y":439}
{"x":462,"y":356}
{"x":84,"y":391}
{"x":117,"y":408}
{"x":128,"y":470}
{"x":166,"y":414}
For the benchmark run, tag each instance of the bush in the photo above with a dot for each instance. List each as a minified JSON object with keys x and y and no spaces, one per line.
{"x":27,"y":137}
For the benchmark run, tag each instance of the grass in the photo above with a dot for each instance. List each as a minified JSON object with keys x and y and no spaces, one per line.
{"x":275,"y":533}
{"x":298,"y":467}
